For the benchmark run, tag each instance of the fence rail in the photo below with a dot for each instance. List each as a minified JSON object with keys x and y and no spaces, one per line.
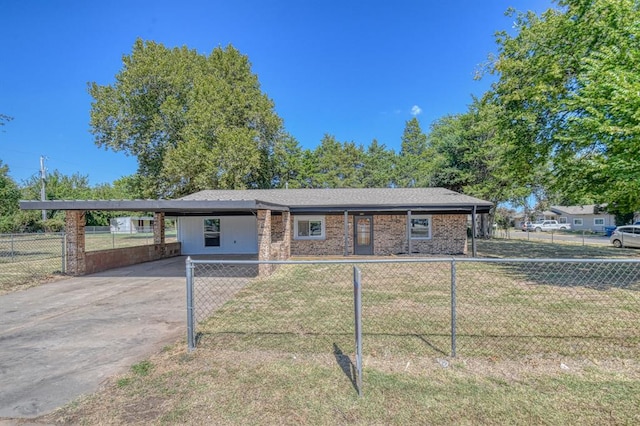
{"x":505,"y":308}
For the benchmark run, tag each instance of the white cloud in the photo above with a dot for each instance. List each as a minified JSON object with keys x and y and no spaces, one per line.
{"x":416,"y":110}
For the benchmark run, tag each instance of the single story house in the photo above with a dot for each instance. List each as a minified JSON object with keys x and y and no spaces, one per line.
{"x":276,"y":224}
{"x":131,"y":225}
{"x":590,"y":217}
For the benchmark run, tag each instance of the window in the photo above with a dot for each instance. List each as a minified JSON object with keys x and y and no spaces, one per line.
{"x":598,"y":221}
{"x":420,"y":227}
{"x":577,"y":222}
{"x":309,"y":228}
{"x":212,"y":232}
{"x":562,"y":219}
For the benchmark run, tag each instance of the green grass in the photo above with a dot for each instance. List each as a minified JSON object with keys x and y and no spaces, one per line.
{"x":283,"y":387}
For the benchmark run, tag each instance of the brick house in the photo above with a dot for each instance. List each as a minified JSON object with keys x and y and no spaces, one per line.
{"x":275,"y":224}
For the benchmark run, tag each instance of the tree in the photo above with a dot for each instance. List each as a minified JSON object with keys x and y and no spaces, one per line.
{"x":337,"y":165}
{"x":412,"y":162}
{"x":378,"y":166}
{"x":9,"y":197}
{"x":4,"y":119}
{"x":569,"y":89}
{"x":288,"y":171}
{"x":193,"y":121}
{"x":469,"y":155}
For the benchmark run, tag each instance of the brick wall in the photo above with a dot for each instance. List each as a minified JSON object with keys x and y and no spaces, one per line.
{"x":333,"y":244}
{"x":96,"y":261}
{"x":277,"y":228}
{"x":449,"y":236}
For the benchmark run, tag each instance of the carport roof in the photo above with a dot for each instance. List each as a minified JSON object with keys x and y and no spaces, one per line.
{"x":166,"y":206}
{"x":296,"y":200}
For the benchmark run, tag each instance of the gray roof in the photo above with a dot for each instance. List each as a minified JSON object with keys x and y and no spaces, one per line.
{"x":575,"y":210}
{"x":351,"y":198}
{"x":296,"y":200}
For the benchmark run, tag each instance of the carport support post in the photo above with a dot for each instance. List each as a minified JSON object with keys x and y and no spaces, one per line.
{"x":158,"y":232}
{"x":75,"y":229}
{"x":264,"y":241}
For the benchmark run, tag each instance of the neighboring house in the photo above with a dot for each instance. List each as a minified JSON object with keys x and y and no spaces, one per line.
{"x":590,"y":217}
{"x":131,"y":225}
{"x":279,"y":223}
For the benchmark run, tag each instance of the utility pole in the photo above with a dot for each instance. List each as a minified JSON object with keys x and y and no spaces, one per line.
{"x":43,"y":195}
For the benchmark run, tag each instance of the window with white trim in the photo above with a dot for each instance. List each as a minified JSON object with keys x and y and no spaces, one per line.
{"x":309,"y":228}
{"x":562,"y":219}
{"x":598,"y":221}
{"x":420,"y":227}
{"x":577,"y":222}
{"x":212,"y":232}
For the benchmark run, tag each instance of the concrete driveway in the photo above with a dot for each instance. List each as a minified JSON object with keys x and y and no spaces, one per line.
{"x":62,"y":339}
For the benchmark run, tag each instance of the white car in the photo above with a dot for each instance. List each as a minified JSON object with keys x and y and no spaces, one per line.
{"x":549,"y":225}
{"x":626,"y":236}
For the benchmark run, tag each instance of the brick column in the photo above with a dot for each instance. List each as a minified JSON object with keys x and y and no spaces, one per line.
{"x":264,"y":240}
{"x":286,"y":222}
{"x":158,"y":232}
{"x":75,"y":230}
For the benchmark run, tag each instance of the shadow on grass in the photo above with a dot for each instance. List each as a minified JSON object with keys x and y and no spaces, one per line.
{"x":497,"y":248}
{"x":222,"y":337}
{"x":431,"y":345}
{"x":594,"y":276}
{"x":598,"y":275}
{"x":347,"y":366}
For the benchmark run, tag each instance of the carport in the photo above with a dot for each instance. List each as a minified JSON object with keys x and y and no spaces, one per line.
{"x":81,"y":262}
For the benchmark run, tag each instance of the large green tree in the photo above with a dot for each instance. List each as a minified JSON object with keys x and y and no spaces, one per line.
{"x":337,"y":164}
{"x":378,"y":166}
{"x":569,"y":90}
{"x":412,"y":164}
{"x":470,"y":155}
{"x":192,"y":121}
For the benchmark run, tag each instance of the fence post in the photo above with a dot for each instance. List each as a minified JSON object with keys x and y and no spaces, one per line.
{"x":453,"y":308}
{"x":357,"y":302}
{"x":12,"y":249}
{"x":191,"y":338}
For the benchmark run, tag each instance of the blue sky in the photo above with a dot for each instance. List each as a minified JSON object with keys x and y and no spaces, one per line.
{"x":355,"y":69}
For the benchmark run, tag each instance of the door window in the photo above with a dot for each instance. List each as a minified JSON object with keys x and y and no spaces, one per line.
{"x":364,"y":231}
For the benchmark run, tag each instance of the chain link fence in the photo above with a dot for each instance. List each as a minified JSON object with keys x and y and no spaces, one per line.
{"x":490,"y":308}
{"x":27,"y":259}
